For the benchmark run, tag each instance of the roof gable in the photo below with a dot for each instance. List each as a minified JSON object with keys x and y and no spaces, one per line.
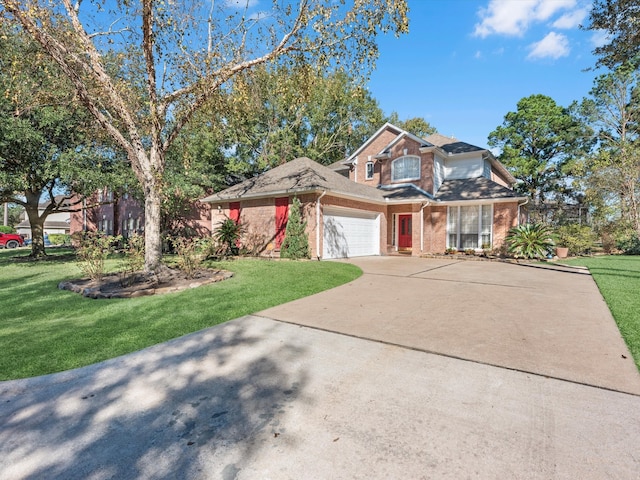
{"x":387,"y":126}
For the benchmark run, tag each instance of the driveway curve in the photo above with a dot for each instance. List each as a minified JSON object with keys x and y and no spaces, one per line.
{"x":261,"y":398}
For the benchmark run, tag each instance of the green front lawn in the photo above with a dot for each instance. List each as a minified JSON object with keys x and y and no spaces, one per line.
{"x":618,"y":278}
{"x":45,"y":330}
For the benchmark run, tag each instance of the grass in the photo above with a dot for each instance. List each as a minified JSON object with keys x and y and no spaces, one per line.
{"x":45,"y":330}
{"x":618,"y":278}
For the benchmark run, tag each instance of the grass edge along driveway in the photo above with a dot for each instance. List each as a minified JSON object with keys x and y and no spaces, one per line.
{"x":45,"y":330}
{"x":618,"y":279}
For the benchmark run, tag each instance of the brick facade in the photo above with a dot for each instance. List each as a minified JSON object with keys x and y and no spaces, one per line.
{"x":505,"y":216}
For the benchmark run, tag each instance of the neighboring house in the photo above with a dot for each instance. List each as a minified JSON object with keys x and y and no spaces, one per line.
{"x":397,"y":192}
{"x":106,"y":212}
{"x":123,"y":215}
{"x":55,"y":223}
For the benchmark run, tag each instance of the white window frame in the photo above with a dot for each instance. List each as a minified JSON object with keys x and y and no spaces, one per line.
{"x":403,"y":159}
{"x":479,"y":242}
{"x":367,"y":175}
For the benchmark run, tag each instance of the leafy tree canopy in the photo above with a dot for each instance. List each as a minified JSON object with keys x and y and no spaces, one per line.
{"x":283,"y":113}
{"x":620,"y":20}
{"x":44,"y":147}
{"x":416,"y":125}
{"x":540,"y":144}
{"x":611,"y":175}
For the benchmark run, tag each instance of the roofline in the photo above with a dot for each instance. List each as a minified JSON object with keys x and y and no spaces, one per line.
{"x":413,"y":137}
{"x":484,"y":201}
{"x":254,"y":196}
{"x":445,"y":154}
{"x":370,"y":139}
{"x":406,"y":185}
{"x":287,"y":192}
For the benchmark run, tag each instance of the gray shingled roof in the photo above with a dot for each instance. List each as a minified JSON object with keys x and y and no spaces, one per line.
{"x":404,"y":192}
{"x":338,"y":166}
{"x":472,"y":189}
{"x":452,"y":145}
{"x":297,"y":176}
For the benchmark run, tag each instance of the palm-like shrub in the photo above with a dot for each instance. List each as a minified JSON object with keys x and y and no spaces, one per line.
{"x":228,"y":235}
{"x":531,"y":240}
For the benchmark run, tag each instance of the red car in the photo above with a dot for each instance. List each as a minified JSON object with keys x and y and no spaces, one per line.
{"x":10,"y":240}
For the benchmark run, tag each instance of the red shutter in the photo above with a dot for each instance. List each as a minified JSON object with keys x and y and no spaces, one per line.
{"x":234,"y":211}
{"x":282,"y":215}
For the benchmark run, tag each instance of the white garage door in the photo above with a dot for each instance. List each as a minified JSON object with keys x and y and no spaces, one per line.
{"x":350,"y":233}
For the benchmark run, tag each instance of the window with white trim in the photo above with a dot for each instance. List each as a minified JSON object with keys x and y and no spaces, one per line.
{"x":405,"y":168}
{"x":369,"y":172}
{"x":469,"y":226}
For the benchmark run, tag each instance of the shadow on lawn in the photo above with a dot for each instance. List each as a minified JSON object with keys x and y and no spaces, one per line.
{"x":200,"y":405}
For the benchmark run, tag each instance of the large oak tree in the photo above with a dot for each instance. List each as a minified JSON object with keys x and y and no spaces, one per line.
{"x":190,"y":51}
{"x":44,"y":145}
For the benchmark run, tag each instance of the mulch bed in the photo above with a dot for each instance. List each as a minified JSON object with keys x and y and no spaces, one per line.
{"x":141,"y":284}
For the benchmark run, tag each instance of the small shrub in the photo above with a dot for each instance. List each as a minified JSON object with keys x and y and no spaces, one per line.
{"x":254,"y":243}
{"x":296,"y":241}
{"x":93,"y":250}
{"x":579,"y":239}
{"x":7,"y":229}
{"x":469,"y":251}
{"x":531,"y":240}
{"x":133,"y":260}
{"x":451,"y":251}
{"x":189,"y":255}
{"x":629,"y":244}
{"x":60,"y":239}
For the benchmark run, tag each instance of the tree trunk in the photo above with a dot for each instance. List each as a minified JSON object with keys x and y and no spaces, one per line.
{"x":152,"y":234}
{"x":37,"y":224}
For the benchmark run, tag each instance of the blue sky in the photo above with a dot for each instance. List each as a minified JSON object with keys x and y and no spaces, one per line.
{"x":466,"y":63}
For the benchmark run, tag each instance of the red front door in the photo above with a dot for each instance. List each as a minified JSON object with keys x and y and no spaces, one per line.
{"x":404,"y":231}
{"x":282,"y":215}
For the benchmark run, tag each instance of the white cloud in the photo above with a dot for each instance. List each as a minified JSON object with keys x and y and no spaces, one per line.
{"x":571,"y":19}
{"x":514,"y":17}
{"x":478,"y":55}
{"x":554,"y":45}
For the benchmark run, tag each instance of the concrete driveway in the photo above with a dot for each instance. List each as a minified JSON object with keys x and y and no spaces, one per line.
{"x":545,"y":319}
{"x":260,"y":398}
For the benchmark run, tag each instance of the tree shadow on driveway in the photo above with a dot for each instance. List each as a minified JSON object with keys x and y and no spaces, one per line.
{"x":178,"y":410}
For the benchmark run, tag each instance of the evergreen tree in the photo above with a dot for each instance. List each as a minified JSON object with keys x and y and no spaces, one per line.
{"x":296,"y":240}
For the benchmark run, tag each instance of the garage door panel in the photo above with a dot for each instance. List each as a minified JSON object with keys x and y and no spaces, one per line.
{"x":350,"y":234}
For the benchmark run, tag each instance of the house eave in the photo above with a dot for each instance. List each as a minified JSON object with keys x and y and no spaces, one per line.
{"x":294,"y":191}
{"x":257,"y":196}
{"x":483,"y":201}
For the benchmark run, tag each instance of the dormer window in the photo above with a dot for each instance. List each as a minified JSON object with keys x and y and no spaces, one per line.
{"x":405,"y":168}
{"x":369,"y":173}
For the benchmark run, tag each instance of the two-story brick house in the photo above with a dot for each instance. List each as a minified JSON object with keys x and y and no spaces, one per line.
{"x":397,"y":192}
